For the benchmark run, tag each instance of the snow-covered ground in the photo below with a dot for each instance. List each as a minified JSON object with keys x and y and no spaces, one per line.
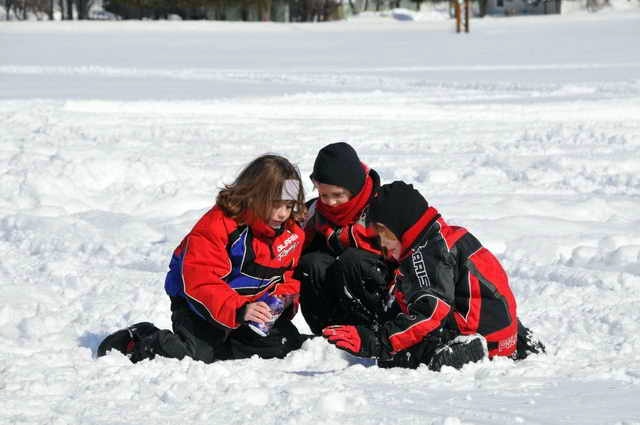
{"x":115,"y":137}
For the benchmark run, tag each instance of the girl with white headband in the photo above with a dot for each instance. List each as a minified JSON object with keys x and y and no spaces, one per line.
{"x":232,"y":275}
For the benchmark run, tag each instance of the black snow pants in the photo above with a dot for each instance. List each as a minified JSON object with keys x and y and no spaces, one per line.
{"x":194,"y":337}
{"x":347,"y":289}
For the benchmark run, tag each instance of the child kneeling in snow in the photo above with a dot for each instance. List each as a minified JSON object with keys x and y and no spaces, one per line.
{"x":231,"y":275}
{"x":449,"y":302}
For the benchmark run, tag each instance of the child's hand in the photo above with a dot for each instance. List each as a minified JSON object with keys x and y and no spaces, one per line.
{"x":257,"y":312}
{"x":357,"y":340}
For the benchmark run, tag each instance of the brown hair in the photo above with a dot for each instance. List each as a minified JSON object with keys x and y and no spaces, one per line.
{"x":258,"y":186}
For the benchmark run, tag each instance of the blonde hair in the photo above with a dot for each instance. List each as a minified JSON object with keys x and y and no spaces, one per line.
{"x":258,"y":186}
{"x":384,"y":231}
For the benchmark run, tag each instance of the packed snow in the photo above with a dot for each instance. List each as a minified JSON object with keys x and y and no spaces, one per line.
{"x":116,"y":136}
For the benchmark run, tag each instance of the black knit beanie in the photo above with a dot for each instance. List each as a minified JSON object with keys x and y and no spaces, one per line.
{"x":398,"y":206}
{"x":338,"y":164}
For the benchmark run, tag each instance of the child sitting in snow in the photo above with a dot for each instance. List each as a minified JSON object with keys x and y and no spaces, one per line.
{"x":228,"y":272}
{"x":449,"y":302}
{"x":338,"y":246}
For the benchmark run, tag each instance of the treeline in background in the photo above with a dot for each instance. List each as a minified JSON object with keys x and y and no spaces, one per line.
{"x":263,"y":10}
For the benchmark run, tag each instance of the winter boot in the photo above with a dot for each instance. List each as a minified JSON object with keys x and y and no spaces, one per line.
{"x":127,"y":340}
{"x":527,"y":343}
{"x":459,"y":351}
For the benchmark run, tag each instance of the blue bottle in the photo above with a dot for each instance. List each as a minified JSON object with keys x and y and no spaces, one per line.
{"x":277,"y":307}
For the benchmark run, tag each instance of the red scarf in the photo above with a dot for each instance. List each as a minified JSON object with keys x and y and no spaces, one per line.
{"x":348,"y":212}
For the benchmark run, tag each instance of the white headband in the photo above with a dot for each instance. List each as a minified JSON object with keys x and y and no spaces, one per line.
{"x":290,"y":190}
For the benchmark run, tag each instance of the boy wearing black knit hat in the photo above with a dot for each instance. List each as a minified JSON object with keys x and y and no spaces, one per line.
{"x":338,"y":164}
{"x":449,"y":300}
{"x":342,"y":262}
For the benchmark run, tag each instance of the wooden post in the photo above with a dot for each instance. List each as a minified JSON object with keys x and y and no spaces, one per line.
{"x":466,"y":15}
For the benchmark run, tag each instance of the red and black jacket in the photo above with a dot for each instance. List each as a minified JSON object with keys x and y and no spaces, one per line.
{"x":324,"y":234}
{"x":220,"y":266}
{"x":446,"y":273}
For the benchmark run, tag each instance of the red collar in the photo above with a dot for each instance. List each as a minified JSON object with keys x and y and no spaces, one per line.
{"x":409,"y":237}
{"x":258,"y":226}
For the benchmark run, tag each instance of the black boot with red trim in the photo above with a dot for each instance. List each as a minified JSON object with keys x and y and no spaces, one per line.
{"x":126,"y":340}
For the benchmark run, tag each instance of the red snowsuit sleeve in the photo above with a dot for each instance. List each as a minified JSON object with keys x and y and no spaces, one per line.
{"x":423,"y":316}
{"x":290,"y":286}
{"x":205,"y":264}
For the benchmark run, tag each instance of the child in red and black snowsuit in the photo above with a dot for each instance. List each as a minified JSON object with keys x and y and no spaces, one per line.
{"x":339,"y":248}
{"x":239,"y":257}
{"x":449,"y":301}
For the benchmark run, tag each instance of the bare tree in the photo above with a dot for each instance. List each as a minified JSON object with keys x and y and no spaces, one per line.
{"x":83,"y":9}
{"x":69,"y":10}
{"x":20,"y":9}
{"x":264,"y":9}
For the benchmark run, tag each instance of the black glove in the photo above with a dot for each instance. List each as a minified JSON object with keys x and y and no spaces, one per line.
{"x":374,"y":286}
{"x":357,"y":340}
{"x":364,"y":294}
